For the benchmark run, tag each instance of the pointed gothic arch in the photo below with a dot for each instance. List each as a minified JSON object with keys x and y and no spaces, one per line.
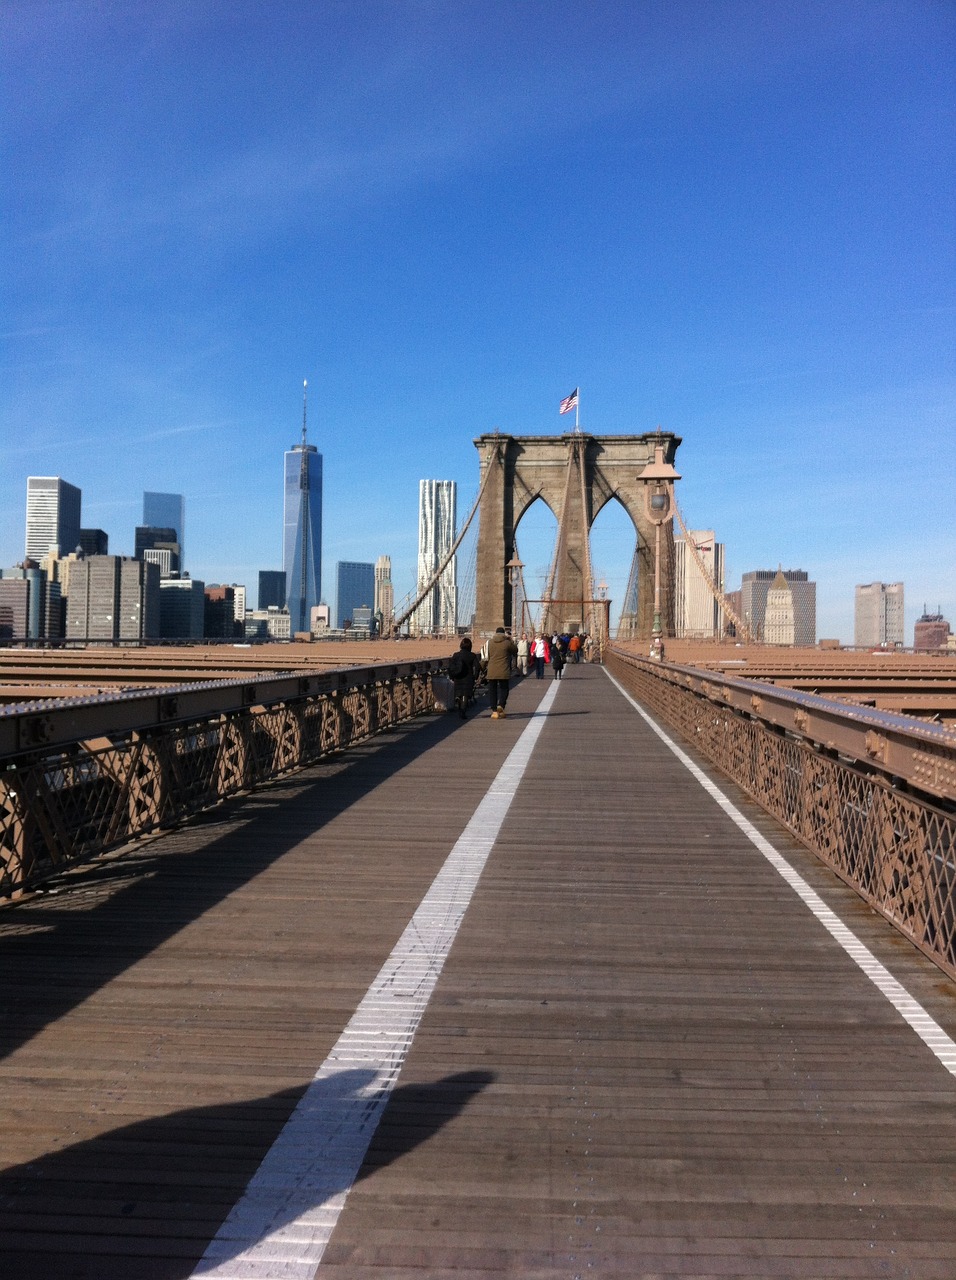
{"x":517,"y":470}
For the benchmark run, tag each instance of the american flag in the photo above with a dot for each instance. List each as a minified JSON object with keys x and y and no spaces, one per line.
{"x":569,"y":402}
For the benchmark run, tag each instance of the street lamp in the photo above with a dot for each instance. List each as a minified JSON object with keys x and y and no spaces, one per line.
{"x":658,"y":480}
{"x":605,"y":615}
{"x":514,"y":567}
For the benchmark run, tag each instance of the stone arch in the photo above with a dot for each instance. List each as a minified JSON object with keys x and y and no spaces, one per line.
{"x":614,"y":541}
{"x":534,"y":536}
{"x":517,"y":470}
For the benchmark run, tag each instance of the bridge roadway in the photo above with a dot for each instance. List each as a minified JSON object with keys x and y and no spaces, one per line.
{"x":643,"y":1056}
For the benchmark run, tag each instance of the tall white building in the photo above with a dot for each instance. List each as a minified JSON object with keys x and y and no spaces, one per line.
{"x":698,"y":616}
{"x":53,"y":516}
{"x":755,"y":590}
{"x":878,"y":615}
{"x":436,"y":536}
{"x":779,"y":623}
{"x":384,"y":591}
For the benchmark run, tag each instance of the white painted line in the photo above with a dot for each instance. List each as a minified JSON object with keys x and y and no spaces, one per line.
{"x":928,"y":1030}
{"x":280,"y":1227}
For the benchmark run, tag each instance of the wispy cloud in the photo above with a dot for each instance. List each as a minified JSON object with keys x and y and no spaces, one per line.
{"x":102,"y":439}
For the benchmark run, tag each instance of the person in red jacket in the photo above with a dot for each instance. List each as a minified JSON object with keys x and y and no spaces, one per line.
{"x":541,"y":653}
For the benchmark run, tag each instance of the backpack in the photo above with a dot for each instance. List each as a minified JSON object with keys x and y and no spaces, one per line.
{"x":457,"y":666}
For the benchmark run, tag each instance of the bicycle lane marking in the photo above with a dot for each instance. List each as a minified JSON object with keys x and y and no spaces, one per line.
{"x":909,"y":1008}
{"x":279,"y":1228}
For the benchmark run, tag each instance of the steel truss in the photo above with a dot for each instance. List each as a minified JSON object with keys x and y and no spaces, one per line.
{"x":84,"y":775}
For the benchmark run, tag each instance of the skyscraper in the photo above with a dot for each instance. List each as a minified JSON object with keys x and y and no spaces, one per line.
{"x":878,"y":615}
{"x":94,"y":542}
{"x":154,"y":538}
{"x":778,"y":619}
{"x":302,"y":529}
{"x":271,"y":589}
{"x":182,"y":608}
{"x":44,"y":603}
{"x":436,"y":537}
{"x":698,"y":615}
{"x":384,"y":591}
{"x":167,"y":511}
{"x":53,"y":516}
{"x":754,"y":590}
{"x":113,"y":598}
{"x":355,"y":587}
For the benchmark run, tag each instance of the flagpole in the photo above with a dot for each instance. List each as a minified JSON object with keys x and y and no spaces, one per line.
{"x":577,"y":410}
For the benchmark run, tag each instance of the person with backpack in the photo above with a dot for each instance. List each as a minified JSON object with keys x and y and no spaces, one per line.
{"x":463,"y":670}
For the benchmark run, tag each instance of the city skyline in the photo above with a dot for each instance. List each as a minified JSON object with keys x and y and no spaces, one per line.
{"x":436,"y":529}
{"x":730,"y":221}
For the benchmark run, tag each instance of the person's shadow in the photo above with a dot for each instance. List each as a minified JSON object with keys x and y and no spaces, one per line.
{"x":145,"y":1200}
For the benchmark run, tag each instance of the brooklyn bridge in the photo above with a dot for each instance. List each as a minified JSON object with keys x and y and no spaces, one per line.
{"x":655,"y":976}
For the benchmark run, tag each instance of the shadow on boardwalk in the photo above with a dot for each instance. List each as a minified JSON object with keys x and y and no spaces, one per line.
{"x":59,"y":948}
{"x":144,"y":1200}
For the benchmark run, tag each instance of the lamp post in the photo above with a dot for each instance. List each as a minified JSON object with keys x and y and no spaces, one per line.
{"x":514,"y":567}
{"x":658,"y":480}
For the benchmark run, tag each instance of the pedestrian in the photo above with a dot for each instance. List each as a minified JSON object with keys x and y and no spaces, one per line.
{"x":464,"y":669}
{"x":502,"y":650}
{"x":541,"y":653}
{"x":524,"y":653}
{"x":574,"y":648}
{"x":557,"y":661}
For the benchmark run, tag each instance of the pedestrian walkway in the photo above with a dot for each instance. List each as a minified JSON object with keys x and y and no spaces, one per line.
{"x":626,"y":1045}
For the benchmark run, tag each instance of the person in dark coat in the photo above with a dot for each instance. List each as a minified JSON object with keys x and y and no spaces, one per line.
{"x":464,"y":669}
{"x":502,"y":652}
{"x":557,"y":660}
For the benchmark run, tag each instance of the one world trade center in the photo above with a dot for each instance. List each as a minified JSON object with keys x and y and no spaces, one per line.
{"x":302,"y":529}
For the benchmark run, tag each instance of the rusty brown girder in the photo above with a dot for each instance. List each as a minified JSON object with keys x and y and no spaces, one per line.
{"x":870,"y":793}
{"x":82,"y":775}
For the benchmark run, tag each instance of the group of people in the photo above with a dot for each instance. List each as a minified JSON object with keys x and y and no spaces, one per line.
{"x":555,"y":651}
{"x":501,"y":655}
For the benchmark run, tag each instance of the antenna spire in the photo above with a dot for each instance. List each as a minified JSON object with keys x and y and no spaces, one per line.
{"x":305,"y":395}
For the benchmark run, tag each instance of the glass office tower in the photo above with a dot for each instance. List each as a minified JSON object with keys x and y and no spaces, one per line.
{"x":302,"y":532}
{"x":355,"y":589}
{"x":167,"y":511}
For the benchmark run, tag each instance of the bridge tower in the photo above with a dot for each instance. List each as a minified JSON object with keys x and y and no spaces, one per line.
{"x":575,"y":475}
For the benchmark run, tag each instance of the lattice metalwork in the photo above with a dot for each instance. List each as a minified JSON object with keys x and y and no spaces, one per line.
{"x":81,"y":798}
{"x":896,"y":848}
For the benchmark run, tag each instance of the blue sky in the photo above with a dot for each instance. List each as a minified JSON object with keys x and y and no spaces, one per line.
{"x":732,"y":220}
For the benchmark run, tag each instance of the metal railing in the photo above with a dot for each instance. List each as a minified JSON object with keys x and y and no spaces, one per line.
{"x":871,"y":793}
{"x":80,"y":776}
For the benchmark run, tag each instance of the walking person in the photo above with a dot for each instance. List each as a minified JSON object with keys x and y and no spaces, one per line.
{"x":464,"y":669}
{"x":502,"y":650}
{"x":524,"y":653}
{"x":541,"y":653}
{"x":574,"y":648}
{"x":557,"y":660}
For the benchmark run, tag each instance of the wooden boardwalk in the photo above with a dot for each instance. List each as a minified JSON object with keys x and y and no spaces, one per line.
{"x":644,"y":1056}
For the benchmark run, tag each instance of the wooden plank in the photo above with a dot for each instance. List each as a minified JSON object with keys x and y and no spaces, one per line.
{"x":643,"y":1057}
